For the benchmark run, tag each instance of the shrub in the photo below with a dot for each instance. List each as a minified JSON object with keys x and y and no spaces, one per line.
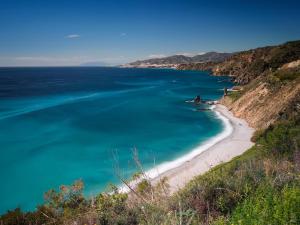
{"x":269,"y":206}
{"x":234,"y":95}
{"x":283,"y":138}
{"x":257,"y":135}
{"x":287,"y":75}
{"x":144,"y":187}
{"x":113,"y":209}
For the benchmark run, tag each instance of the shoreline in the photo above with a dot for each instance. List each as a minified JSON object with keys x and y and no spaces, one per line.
{"x":235,"y":138}
{"x":231,"y":143}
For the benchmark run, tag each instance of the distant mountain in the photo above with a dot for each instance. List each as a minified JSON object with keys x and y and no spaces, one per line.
{"x":175,"y":59}
{"x":211,"y":57}
{"x":180,"y":59}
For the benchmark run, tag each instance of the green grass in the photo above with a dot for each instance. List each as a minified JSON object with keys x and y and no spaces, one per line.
{"x":234,"y":95}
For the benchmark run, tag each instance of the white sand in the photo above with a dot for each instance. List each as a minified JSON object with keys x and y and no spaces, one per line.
{"x":235,"y":143}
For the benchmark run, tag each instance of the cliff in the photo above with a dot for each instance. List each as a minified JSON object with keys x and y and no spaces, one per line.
{"x":268,"y":80}
{"x":266,"y":100}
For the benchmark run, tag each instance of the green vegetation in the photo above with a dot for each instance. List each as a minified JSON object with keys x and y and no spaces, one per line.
{"x":269,"y":206}
{"x":282,"y":54}
{"x":287,"y":75}
{"x":272,"y":164}
{"x":234,"y":95}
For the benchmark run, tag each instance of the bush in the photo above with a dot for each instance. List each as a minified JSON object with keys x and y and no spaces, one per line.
{"x":112,"y":209}
{"x":234,"y":95}
{"x":269,"y":206}
{"x":287,"y":75}
{"x":283,"y":138}
{"x":257,"y":135}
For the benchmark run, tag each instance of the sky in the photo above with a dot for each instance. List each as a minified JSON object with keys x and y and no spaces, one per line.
{"x":112,"y":32}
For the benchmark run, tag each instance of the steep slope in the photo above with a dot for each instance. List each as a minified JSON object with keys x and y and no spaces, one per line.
{"x":271,"y":83}
{"x":246,"y":66}
{"x":266,"y":100}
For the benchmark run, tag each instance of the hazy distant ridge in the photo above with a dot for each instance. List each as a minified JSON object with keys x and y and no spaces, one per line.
{"x":180,"y":59}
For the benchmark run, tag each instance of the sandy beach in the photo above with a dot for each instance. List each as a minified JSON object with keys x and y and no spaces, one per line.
{"x":236,"y":142}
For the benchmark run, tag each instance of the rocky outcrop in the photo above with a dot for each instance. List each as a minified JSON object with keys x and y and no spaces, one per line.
{"x":262,"y":106}
{"x":291,"y":65}
{"x":269,"y":97}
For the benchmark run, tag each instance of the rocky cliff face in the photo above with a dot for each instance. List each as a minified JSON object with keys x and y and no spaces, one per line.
{"x":261,"y":106}
{"x":268,"y":98}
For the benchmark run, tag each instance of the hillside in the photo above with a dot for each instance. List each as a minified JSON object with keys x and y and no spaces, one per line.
{"x":247,"y":65}
{"x":197,"y":66}
{"x":268,"y":98}
{"x":270,"y":82}
{"x":270,"y":77}
{"x":179,"y":59}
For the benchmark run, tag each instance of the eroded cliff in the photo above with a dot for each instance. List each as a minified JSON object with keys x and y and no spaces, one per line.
{"x":267,"y":98}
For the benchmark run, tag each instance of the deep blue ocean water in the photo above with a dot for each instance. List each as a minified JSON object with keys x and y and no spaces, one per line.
{"x":58,"y":125}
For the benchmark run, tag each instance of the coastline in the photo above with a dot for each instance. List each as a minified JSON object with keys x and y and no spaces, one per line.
{"x":232,"y":142}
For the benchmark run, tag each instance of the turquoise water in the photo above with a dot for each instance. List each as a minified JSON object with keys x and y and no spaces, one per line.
{"x":58,"y":125}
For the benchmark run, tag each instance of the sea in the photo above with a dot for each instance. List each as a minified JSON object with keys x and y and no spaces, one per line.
{"x":62,"y":124}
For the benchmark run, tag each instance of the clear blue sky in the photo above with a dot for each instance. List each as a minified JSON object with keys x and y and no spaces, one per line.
{"x":61,"y":32}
